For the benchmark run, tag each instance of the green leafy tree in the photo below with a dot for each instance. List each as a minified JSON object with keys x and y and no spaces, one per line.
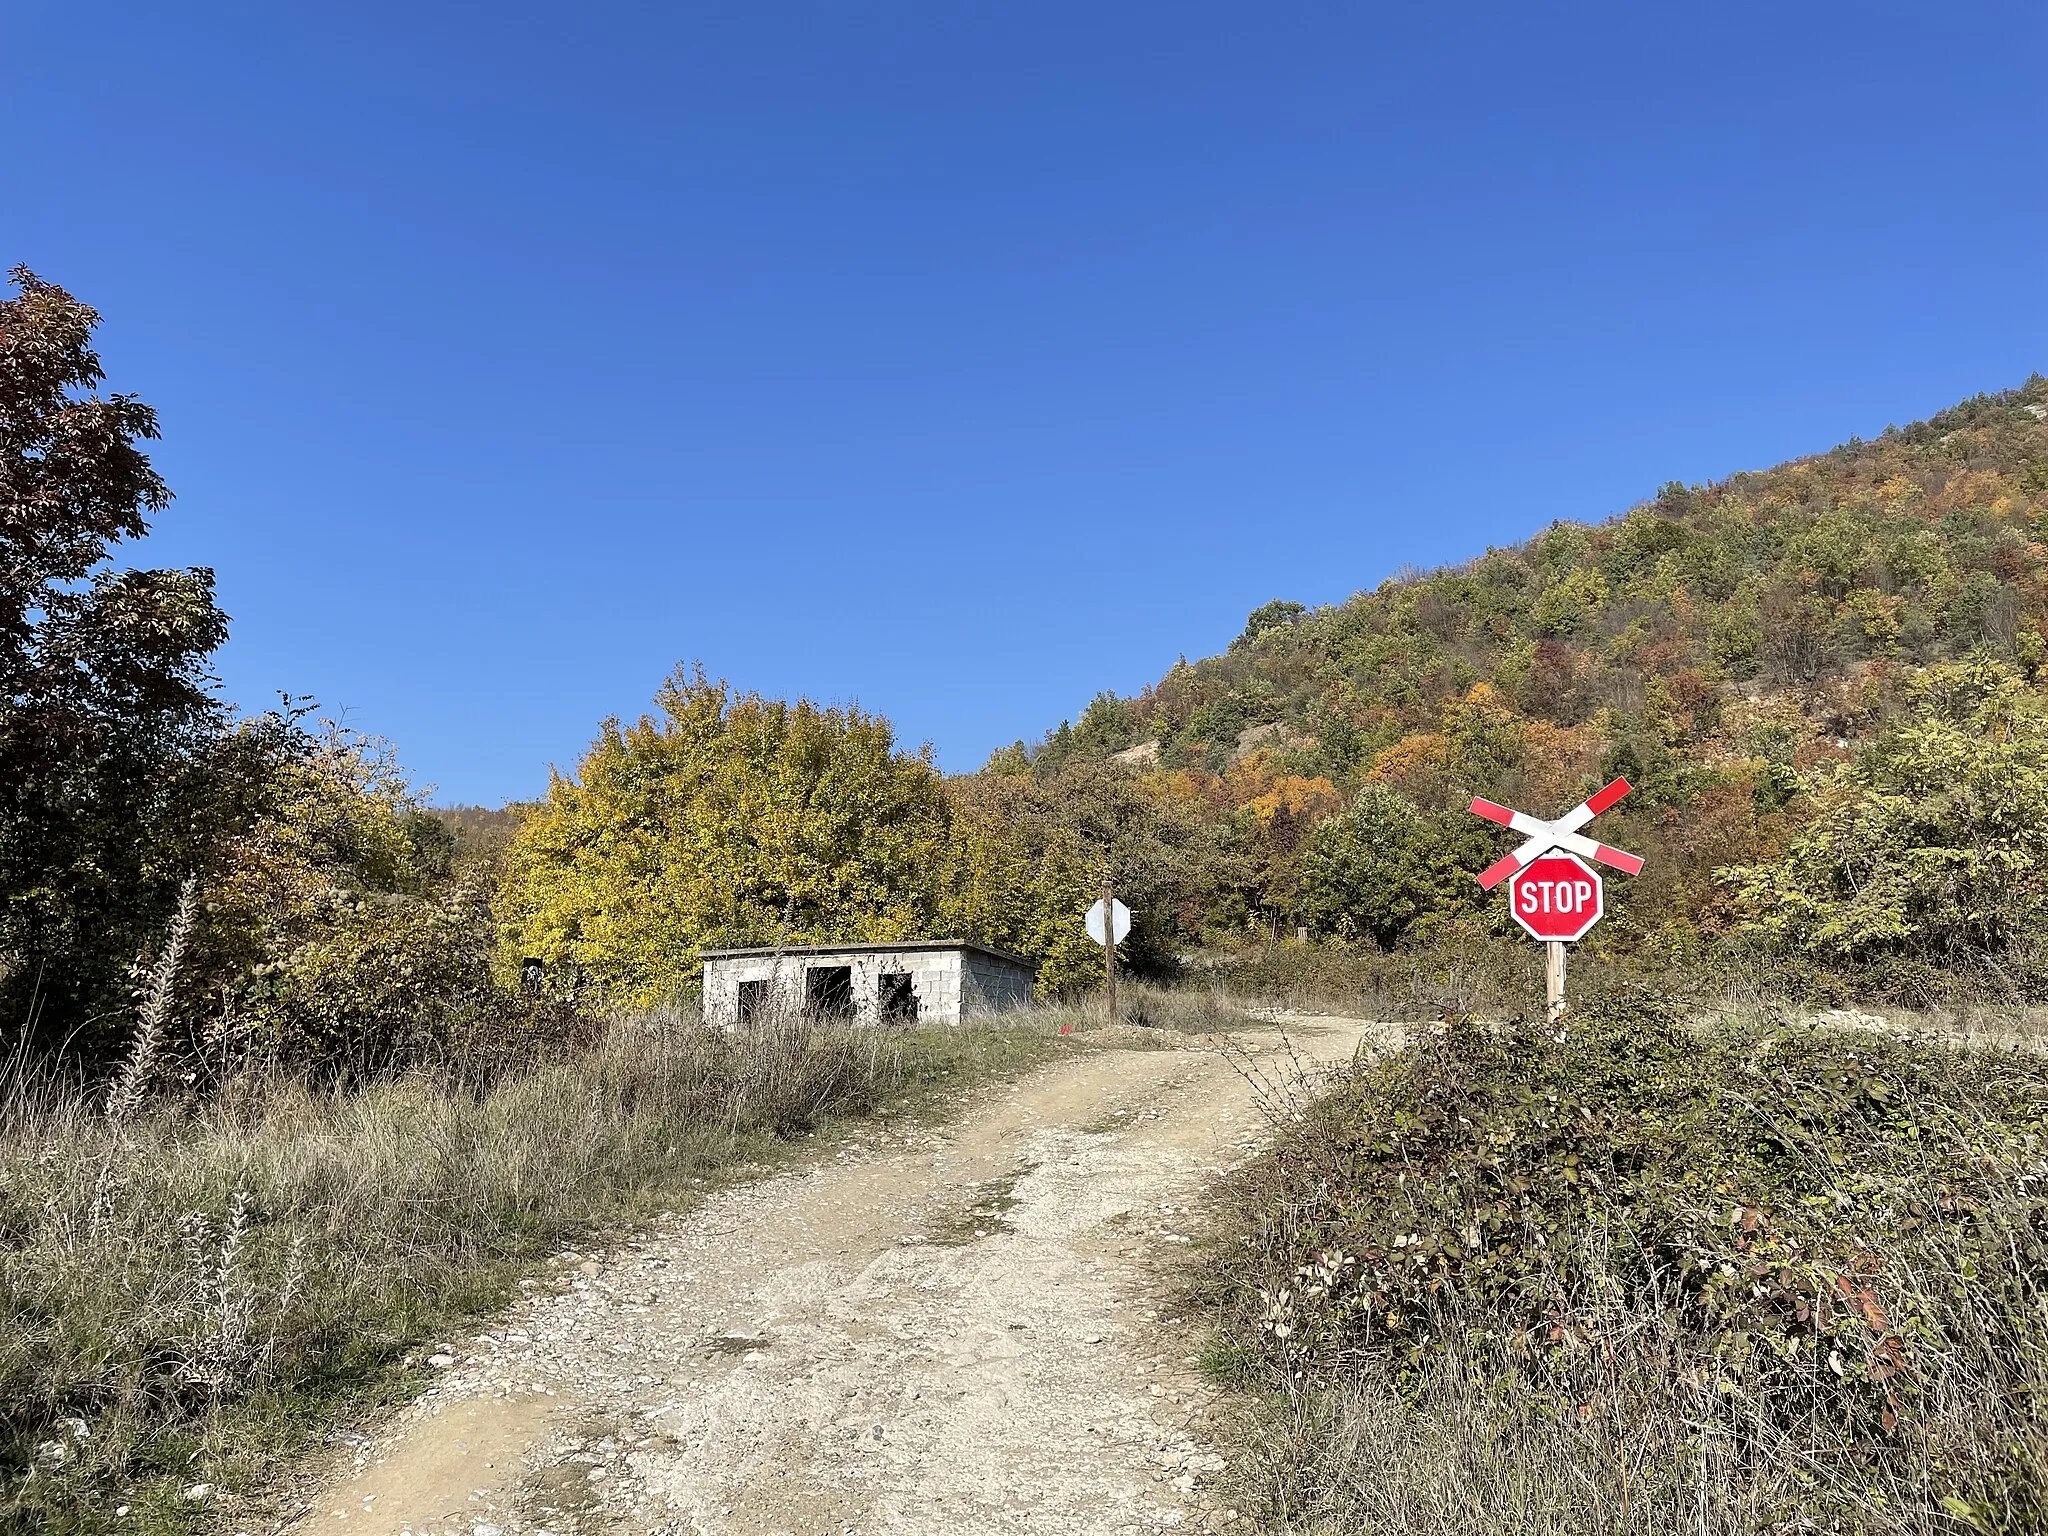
{"x":729,"y":820}
{"x":339,"y":934}
{"x":1104,"y":727}
{"x":1933,"y":842}
{"x":1385,"y":871}
{"x":118,"y":773}
{"x":1020,"y":877}
{"x":1278,"y":614}
{"x":1570,"y":603}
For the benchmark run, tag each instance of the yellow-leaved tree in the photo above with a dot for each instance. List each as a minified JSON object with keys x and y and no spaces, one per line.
{"x":1030,"y":852}
{"x":730,"y":820}
{"x":1022,"y":878}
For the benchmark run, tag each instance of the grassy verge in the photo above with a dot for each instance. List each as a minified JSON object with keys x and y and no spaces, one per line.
{"x":1467,"y":972}
{"x":188,"y":1297}
{"x":1732,"y":1278}
{"x":1142,"y":1007}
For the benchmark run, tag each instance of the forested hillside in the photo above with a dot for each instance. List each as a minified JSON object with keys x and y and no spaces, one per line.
{"x":1820,"y":678}
{"x":1753,"y":655}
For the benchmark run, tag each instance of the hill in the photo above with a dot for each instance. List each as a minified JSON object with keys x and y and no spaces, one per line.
{"x":1727,"y":647}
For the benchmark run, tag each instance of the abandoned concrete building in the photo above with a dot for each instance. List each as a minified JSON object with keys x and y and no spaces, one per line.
{"x":927,"y":982}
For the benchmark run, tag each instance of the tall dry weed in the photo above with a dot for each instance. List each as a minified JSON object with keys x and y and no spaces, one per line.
{"x":153,"y":1018}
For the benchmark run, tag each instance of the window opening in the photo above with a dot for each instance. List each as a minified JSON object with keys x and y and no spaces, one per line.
{"x":753,"y":1001}
{"x":896,"y":998}
{"x":828,"y":991}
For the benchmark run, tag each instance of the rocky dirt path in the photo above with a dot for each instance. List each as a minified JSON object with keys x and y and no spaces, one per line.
{"x":936,"y":1330}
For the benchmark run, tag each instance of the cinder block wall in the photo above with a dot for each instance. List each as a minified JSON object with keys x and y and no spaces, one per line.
{"x":992,"y":985}
{"x":950,"y":984}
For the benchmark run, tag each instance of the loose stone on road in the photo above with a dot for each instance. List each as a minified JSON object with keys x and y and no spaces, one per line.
{"x":936,"y":1330}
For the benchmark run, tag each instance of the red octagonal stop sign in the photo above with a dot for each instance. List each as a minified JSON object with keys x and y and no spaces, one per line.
{"x":1556,"y":897}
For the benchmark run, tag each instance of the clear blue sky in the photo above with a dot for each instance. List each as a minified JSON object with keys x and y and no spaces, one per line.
{"x":966,"y":359}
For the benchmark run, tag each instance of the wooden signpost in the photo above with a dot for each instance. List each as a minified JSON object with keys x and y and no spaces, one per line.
{"x":1109,"y":924}
{"x":1552,"y":893}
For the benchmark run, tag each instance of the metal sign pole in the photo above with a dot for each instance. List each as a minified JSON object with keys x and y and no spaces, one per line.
{"x":1553,"y":979}
{"x":1109,"y":943}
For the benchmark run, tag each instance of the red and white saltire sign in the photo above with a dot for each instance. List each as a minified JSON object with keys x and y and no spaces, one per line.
{"x":1563,"y":835}
{"x":1556,"y":897}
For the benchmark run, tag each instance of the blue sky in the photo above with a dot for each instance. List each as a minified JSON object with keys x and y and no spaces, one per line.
{"x":963,"y":360}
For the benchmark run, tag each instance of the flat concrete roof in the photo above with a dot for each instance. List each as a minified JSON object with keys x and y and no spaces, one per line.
{"x":901,"y":947}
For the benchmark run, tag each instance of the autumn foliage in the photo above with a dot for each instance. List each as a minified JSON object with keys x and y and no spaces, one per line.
{"x":1734,"y":650}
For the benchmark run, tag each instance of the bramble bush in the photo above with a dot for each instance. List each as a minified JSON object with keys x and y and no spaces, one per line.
{"x":1834,"y":1244}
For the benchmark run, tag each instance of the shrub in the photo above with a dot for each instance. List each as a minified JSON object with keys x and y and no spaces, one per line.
{"x":1826,"y":1250}
{"x":1930,"y":844}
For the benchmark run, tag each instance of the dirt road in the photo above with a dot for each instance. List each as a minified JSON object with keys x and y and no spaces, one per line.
{"x":935,"y":1330}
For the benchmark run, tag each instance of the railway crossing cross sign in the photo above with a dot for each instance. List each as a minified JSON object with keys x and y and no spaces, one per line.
{"x":1552,"y":893}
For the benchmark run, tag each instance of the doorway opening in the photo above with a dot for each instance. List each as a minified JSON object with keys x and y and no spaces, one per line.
{"x":753,"y":1002}
{"x":895,"y":998}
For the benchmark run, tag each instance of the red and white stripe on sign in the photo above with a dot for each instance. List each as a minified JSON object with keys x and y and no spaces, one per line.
{"x":1615,"y":858}
{"x":1493,"y":874}
{"x":1608,"y":796}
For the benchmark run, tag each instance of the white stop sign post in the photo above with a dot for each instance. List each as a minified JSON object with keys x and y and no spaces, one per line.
{"x":1554,"y":895}
{"x":1109,"y":924}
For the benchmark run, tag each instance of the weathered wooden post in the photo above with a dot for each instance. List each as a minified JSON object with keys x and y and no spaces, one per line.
{"x":1108,"y":923}
{"x":1109,"y":947}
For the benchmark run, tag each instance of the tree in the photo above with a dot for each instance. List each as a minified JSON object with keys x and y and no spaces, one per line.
{"x":729,"y":821}
{"x":1257,"y":846}
{"x":1030,"y":854}
{"x":1019,"y":877}
{"x":1932,"y":843}
{"x":1104,"y":726}
{"x":1385,"y":871}
{"x":339,"y":933}
{"x":1278,"y":614}
{"x":117,"y":770}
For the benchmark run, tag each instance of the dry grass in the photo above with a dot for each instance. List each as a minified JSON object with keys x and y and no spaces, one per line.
{"x":1464,"y":971}
{"x":1141,"y":1007}
{"x":189,"y":1292}
{"x":1484,"y":1439}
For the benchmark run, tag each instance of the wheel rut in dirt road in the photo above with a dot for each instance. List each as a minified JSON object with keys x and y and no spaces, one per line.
{"x":938,"y":1330}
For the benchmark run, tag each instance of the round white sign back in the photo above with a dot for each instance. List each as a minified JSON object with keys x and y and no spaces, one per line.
{"x":1123,"y":922}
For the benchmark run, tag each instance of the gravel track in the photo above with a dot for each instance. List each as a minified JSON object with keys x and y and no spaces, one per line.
{"x":931,"y":1330}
